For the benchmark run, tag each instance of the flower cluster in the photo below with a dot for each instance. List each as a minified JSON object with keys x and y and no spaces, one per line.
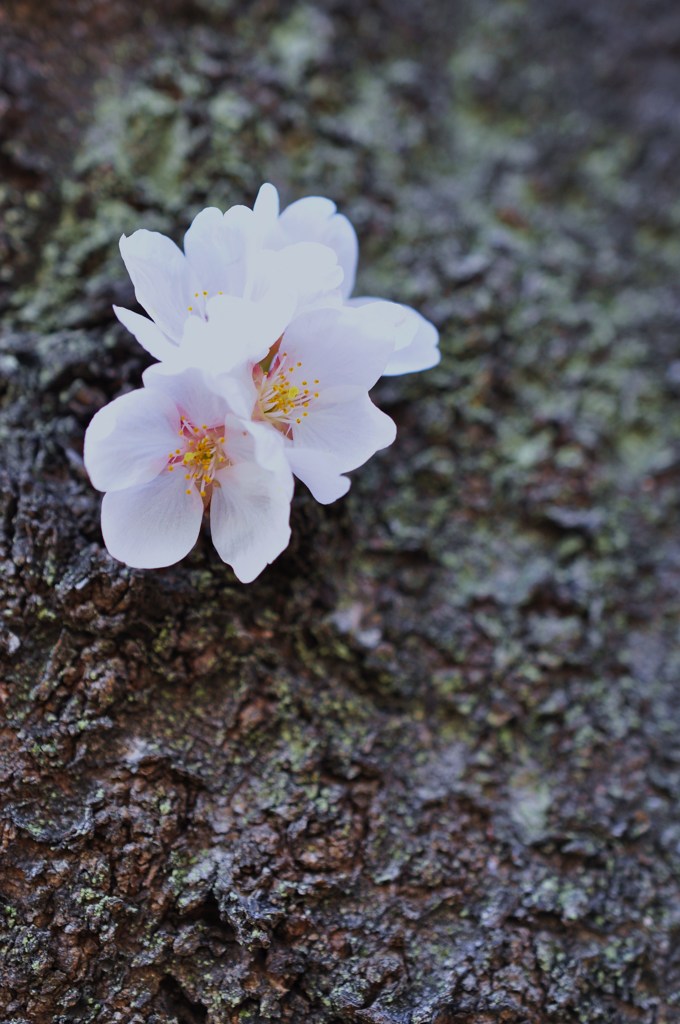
{"x":264,"y":366}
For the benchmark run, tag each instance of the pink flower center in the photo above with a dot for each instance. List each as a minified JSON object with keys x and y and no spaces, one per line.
{"x":285,"y":393}
{"x":201,"y":454}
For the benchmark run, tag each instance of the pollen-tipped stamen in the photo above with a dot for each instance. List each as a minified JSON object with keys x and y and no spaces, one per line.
{"x":282,"y":398}
{"x":201,"y":457}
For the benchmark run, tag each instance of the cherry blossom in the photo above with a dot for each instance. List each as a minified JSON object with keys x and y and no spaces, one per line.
{"x":170,"y":451}
{"x":265,"y":364}
{"x":312,"y":389}
{"x":224,"y":264}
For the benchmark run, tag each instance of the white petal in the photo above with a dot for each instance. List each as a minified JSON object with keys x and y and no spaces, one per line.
{"x":163,"y":282}
{"x":129,"y":440}
{"x":266,"y":206}
{"x":236,"y":330}
{"x":350,"y":432}
{"x":153,"y":525}
{"x":319,"y":472}
{"x":249,"y":518}
{"x":258,"y":442}
{"x":422,"y":354}
{"x":238,"y":389}
{"x":306,"y":269}
{"x":314,"y":219}
{"x":388,"y":319}
{"x":147,"y":333}
{"x":193,"y":393}
{"x":341,"y":236}
{"x":253,"y":327}
{"x":340,"y":347}
{"x":415,"y":338}
{"x":307,"y":217}
{"x":219,"y":248}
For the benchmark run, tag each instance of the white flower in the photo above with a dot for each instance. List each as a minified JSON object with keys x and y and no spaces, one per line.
{"x":265,"y":362}
{"x":312,"y":391}
{"x":258,"y":290}
{"x":314,"y":219}
{"x":165,"y":453}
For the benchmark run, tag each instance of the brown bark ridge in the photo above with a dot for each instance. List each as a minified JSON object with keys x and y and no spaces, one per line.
{"x":426,"y":769}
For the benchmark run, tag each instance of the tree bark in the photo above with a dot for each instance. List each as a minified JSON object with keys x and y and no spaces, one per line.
{"x":425,"y":770}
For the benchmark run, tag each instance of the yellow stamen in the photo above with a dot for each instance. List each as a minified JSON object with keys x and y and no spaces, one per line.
{"x":280,"y":400}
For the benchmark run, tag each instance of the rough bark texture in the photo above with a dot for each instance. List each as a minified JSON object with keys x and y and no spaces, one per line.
{"x":426,"y":769}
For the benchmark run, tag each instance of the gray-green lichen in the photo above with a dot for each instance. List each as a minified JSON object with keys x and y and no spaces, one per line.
{"x":426,"y":769}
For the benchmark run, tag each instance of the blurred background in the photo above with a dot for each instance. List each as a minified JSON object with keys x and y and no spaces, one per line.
{"x":425,"y":770}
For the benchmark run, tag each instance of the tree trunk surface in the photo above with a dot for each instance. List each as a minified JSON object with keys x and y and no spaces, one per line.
{"x":425,"y":770}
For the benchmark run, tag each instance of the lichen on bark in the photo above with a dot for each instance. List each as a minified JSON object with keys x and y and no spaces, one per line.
{"x":425,"y":770}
